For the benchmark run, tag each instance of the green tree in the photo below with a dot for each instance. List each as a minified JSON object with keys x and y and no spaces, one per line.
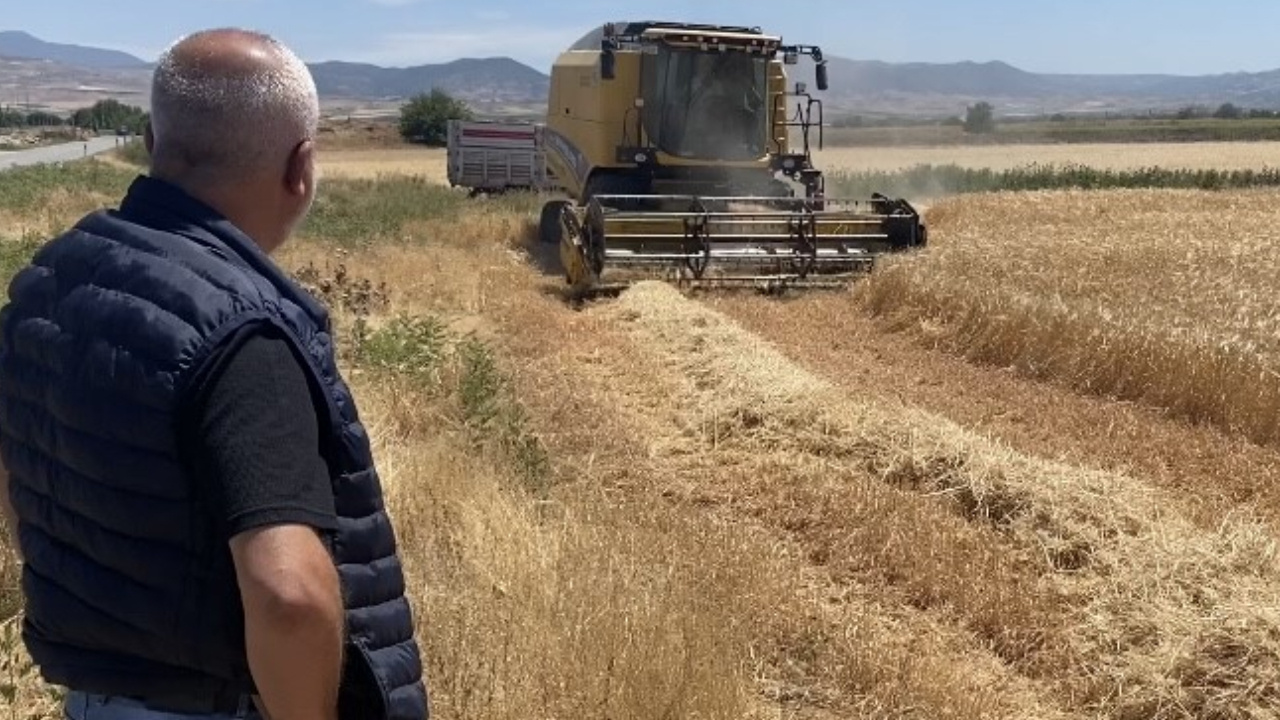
{"x":425,"y":118}
{"x":40,"y":118}
{"x":1228,"y":111}
{"x":979,"y":118}
{"x":1190,"y":112}
{"x":10,"y":118}
{"x":110,"y":114}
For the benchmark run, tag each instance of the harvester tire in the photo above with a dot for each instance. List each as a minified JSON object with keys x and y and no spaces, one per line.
{"x":549,"y":229}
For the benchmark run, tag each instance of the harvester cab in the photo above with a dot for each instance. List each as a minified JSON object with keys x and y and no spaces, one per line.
{"x":682,"y":149}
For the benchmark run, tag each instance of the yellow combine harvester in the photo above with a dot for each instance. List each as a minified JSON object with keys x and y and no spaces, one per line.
{"x":674,"y":143}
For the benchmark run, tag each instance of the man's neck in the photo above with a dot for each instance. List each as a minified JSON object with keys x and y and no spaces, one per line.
{"x":234,"y":205}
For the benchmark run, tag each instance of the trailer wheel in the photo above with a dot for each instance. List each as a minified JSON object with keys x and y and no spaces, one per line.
{"x":549,"y":222}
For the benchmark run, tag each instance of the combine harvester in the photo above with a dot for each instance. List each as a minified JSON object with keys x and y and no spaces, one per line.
{"x":674,"y":146}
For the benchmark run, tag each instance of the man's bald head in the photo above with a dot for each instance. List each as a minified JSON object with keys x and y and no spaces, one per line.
{"x":229,"y":104}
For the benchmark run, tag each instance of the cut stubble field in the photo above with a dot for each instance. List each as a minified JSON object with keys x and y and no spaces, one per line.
{"x":987,"y":482}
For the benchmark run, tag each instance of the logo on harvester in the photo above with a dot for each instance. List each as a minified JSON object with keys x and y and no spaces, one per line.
{"x":568,"y":152}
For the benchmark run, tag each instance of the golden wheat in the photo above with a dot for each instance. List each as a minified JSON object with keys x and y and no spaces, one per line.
{"x":430,"y":163}
{"x":1157,"y":296}
{"x":1193,"y":156}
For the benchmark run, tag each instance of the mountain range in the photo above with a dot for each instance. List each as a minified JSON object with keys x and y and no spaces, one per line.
{"x":17,"y":44}
{"x":58,"y":73}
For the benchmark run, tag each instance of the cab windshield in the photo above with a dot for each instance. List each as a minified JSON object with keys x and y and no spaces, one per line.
{"x":706,"y":105}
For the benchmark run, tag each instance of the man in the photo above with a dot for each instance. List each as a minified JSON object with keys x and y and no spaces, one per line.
{"x":197,"y":508}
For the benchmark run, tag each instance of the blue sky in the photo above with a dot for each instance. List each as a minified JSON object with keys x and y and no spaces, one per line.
{"x":1090,"y":36}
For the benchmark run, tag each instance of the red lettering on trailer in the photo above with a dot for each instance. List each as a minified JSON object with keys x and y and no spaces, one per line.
{"x":511,"y":134}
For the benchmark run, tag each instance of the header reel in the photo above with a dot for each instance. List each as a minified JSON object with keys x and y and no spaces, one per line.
{"x":762,"y":241}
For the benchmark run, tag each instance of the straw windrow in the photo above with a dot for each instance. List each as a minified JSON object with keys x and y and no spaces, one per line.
{"x":1161,"y":618}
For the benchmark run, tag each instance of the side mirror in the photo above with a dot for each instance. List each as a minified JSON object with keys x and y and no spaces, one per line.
{"x":821,"y":72}
{"x":607,"y":61}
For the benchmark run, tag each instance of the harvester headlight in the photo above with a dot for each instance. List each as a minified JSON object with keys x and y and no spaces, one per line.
{"x":641,"y":158}
{"x":789,"y":163}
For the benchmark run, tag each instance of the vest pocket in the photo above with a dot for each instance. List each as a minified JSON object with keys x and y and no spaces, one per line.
{"x":362,"y":695}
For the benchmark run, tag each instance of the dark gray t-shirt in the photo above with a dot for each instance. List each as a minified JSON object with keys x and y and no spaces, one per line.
{"x":252,"y":436}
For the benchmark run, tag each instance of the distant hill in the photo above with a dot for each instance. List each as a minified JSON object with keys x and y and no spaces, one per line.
{"x":932,"y":87}
{"x":485,"y":80}
{"x":16,"y":44}
{"x":63,"y":74}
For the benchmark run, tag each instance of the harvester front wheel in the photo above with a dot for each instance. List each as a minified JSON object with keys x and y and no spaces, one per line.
{"x":549,"y":227}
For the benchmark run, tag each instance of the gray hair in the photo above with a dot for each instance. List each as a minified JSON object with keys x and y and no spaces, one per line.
{"x":215,"y":121}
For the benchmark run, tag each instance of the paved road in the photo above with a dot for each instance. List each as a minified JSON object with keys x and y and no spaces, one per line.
{"x":59,"y":153}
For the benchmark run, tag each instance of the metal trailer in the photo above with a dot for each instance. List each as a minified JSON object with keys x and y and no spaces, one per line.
{"x":495,"y":156}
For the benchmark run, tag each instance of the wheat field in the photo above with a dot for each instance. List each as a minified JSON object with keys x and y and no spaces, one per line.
{"x":1103,"y":156}
{"x":987,"y":482}
{"x":1161,"y":297}
{"x":431,"y":162}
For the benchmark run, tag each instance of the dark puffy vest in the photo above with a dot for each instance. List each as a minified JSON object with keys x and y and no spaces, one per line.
{"x":127,"y":590}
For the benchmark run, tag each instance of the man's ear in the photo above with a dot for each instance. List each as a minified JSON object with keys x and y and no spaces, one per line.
{"x":299,"y":171}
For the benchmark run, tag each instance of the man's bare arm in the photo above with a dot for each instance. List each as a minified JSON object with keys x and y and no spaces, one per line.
{"x":293,"y":620}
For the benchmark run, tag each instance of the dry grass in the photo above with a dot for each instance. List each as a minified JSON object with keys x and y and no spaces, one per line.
{"x":541,"y":608}
{"x":52,"y":215}
{"x":1194,"y":156}
{"x":364,"y":163}
{"x":1162,"y":297}
{"x":354,"y":133}
{"x":562,"y":605}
